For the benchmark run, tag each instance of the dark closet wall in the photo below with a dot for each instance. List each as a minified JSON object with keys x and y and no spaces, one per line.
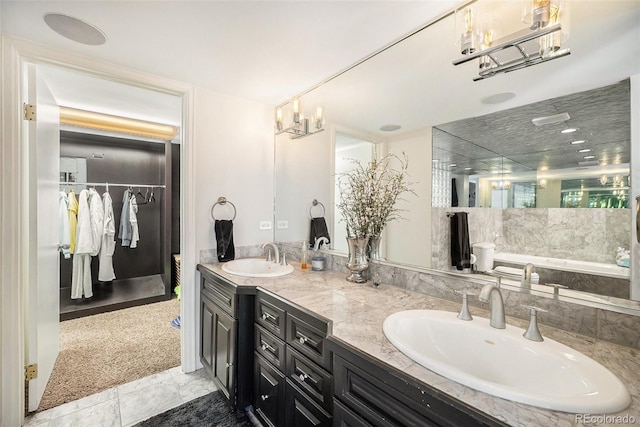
{"x":124,"y":161}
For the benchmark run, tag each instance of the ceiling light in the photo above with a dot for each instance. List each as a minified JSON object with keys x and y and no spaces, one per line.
{"x":453,"y":165}
{"x":300,"y":126}
{"x":109,"y":123}
{"x":549,"y":120}
{"x":390,"y":128}
{"x":584,"y":150}
{"x":569,"y":130}
{"x":589,"y":157}
{"x":467,"y":169}
{"x":539,"y":43}
{"x":579,"y":141}
{"x":498,"y":98}
{"x":75,"y":29}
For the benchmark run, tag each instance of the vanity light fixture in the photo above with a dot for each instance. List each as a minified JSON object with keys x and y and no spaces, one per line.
{"x":539,"y":42}
{"x":604,"y":179}
{"x":300,"y":126}
{"x":542,"y":184}
{"x":550,"y":120}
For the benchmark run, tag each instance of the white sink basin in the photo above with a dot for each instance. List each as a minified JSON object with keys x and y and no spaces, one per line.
{"x":503,"y":363}
{"x":256,"y":267}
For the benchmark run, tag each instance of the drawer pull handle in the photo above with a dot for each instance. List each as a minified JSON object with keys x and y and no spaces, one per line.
{"x":303,"y":375}
{"x":264,"y":397}
{"x":303,"y":339}
{"x":229,"y":365}
{"x":266,"y":316}
{"x":266,"y":346}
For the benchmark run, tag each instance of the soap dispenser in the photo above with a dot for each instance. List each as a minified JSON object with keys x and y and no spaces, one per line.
{"x":303,"y":256}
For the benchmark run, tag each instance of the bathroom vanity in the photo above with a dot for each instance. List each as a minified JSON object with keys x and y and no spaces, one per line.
{"x":318,"y":356}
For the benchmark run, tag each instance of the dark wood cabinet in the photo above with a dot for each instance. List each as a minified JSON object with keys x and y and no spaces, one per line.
{"x":226,"y":333}
{"x":379,"y":395}
{"x":293,"y":384}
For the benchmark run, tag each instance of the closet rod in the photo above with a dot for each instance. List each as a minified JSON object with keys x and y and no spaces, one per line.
{"x":104,"y":184}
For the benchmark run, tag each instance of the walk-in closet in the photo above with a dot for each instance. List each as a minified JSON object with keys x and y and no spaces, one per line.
{"x":139,"y":175}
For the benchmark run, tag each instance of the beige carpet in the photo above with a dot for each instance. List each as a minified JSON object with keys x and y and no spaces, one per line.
{"x":105,"y":350}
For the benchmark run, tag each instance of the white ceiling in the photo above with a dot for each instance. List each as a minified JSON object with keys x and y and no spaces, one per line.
{"x":267,"y":51}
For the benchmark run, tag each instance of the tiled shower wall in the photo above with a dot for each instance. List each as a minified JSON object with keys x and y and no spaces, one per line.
{"x":576,"y":234}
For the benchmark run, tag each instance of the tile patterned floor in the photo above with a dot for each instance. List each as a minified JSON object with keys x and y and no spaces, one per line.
{"x":127,"y":404}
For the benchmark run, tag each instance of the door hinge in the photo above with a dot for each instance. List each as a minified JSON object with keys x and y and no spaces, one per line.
{"x":30,"y":372}
{"x":30,"y":112}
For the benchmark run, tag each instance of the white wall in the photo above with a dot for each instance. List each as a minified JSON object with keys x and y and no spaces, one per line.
{"x":416,"y":249}
{"x":635,"y":186}
{"x":233,"y":157}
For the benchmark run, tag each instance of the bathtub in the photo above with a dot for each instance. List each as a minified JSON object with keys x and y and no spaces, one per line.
{"x":594,"y":268}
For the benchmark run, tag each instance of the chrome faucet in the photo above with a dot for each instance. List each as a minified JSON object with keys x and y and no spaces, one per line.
{"x":491,"y":294}
{"x":275,"y":251}
{"x":319,"y":242}
{"x":527,"y":271}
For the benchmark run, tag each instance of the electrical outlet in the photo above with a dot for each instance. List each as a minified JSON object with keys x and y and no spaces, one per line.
{"x":265,"y":225}
{"x":282,"y":225}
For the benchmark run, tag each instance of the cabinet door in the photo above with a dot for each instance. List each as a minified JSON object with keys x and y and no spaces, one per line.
{"x":224,"y":352}
{"x":269,"y":389}
{"x":206,"y":333}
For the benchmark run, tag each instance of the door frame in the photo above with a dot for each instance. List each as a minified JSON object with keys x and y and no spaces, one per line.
{"x":14,"y":208}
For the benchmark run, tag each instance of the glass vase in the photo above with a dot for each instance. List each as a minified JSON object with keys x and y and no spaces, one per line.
{"x":374,"y":248}
{"x":357,"y":263}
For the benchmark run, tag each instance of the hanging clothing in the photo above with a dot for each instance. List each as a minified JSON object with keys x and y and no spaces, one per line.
{"x":73,"y":219}
{"x":133,"y":218}
{"x":124,"y":232}
{"x":108,"y":246}
{"x":64,"y":237}
{"x":96,"y":209}
{"x":81,"y":274}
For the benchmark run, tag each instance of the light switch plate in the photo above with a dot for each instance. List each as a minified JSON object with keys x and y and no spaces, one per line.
{"x":265,"y":225}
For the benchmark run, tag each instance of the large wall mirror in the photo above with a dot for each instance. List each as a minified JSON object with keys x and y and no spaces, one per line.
{"x":526,"y":187}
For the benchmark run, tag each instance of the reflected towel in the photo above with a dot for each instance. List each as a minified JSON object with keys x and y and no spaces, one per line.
{"x":460,"y":247}
{"x":224,"y":240}
{"x":318,"y":230}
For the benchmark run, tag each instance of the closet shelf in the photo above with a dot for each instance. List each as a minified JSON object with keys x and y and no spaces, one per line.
{"x":108,"y":184}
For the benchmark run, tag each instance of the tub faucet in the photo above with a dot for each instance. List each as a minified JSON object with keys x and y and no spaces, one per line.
{"x":319,"y":242}
{"x":527,"y":271}
{"x":491,"y":294}
{"x":275,"y":251}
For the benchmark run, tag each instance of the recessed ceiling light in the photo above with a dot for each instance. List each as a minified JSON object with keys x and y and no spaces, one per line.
{"x":570,"y":130}
{"x":390,"y":128}
{"x":498,"y":98}
{"x":435,"y":160}
{"x":75,"y":29}
{"x":452,"y":165}
{"x":579,"y":141}
{"x":549,"y":120}
{"x":584,"y":150}
{"x":589,"y":157}
{"x":467,"y":169}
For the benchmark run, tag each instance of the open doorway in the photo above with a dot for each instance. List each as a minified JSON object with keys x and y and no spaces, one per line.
{"x":130,"y":168}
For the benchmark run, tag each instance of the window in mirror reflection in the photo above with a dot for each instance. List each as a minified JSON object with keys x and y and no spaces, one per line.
{"x":347,"y":149}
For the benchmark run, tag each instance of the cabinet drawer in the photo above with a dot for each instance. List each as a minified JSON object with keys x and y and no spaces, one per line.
{"x":269,"y":315}
{"x":221,"y":293}
{"x":301,"y":411}
{"x":269,"y":392}
{"x":308,"y":340}
{"x":269,"y":347}
{"x":310,"y":378}
{"x":345,"y":417}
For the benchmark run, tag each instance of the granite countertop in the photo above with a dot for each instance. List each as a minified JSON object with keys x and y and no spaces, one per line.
{"x":358,"y":312}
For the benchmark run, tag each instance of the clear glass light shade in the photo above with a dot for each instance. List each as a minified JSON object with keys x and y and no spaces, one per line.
{"x":467,"y":29}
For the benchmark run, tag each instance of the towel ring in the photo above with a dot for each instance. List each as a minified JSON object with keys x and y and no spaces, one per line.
{"x":316,"y":203}
{"x":223,"y":201}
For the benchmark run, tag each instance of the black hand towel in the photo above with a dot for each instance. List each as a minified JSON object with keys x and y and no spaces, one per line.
{"x":224,"y":240}
{"x":318,"y":230}
{"x":460,"y":247}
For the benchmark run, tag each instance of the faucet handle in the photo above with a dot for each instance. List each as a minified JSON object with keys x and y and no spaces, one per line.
{"x":556,"y":288}
{"x":533,"y":333}
{"x":283,"y":260}
{"x":464,"y":313}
